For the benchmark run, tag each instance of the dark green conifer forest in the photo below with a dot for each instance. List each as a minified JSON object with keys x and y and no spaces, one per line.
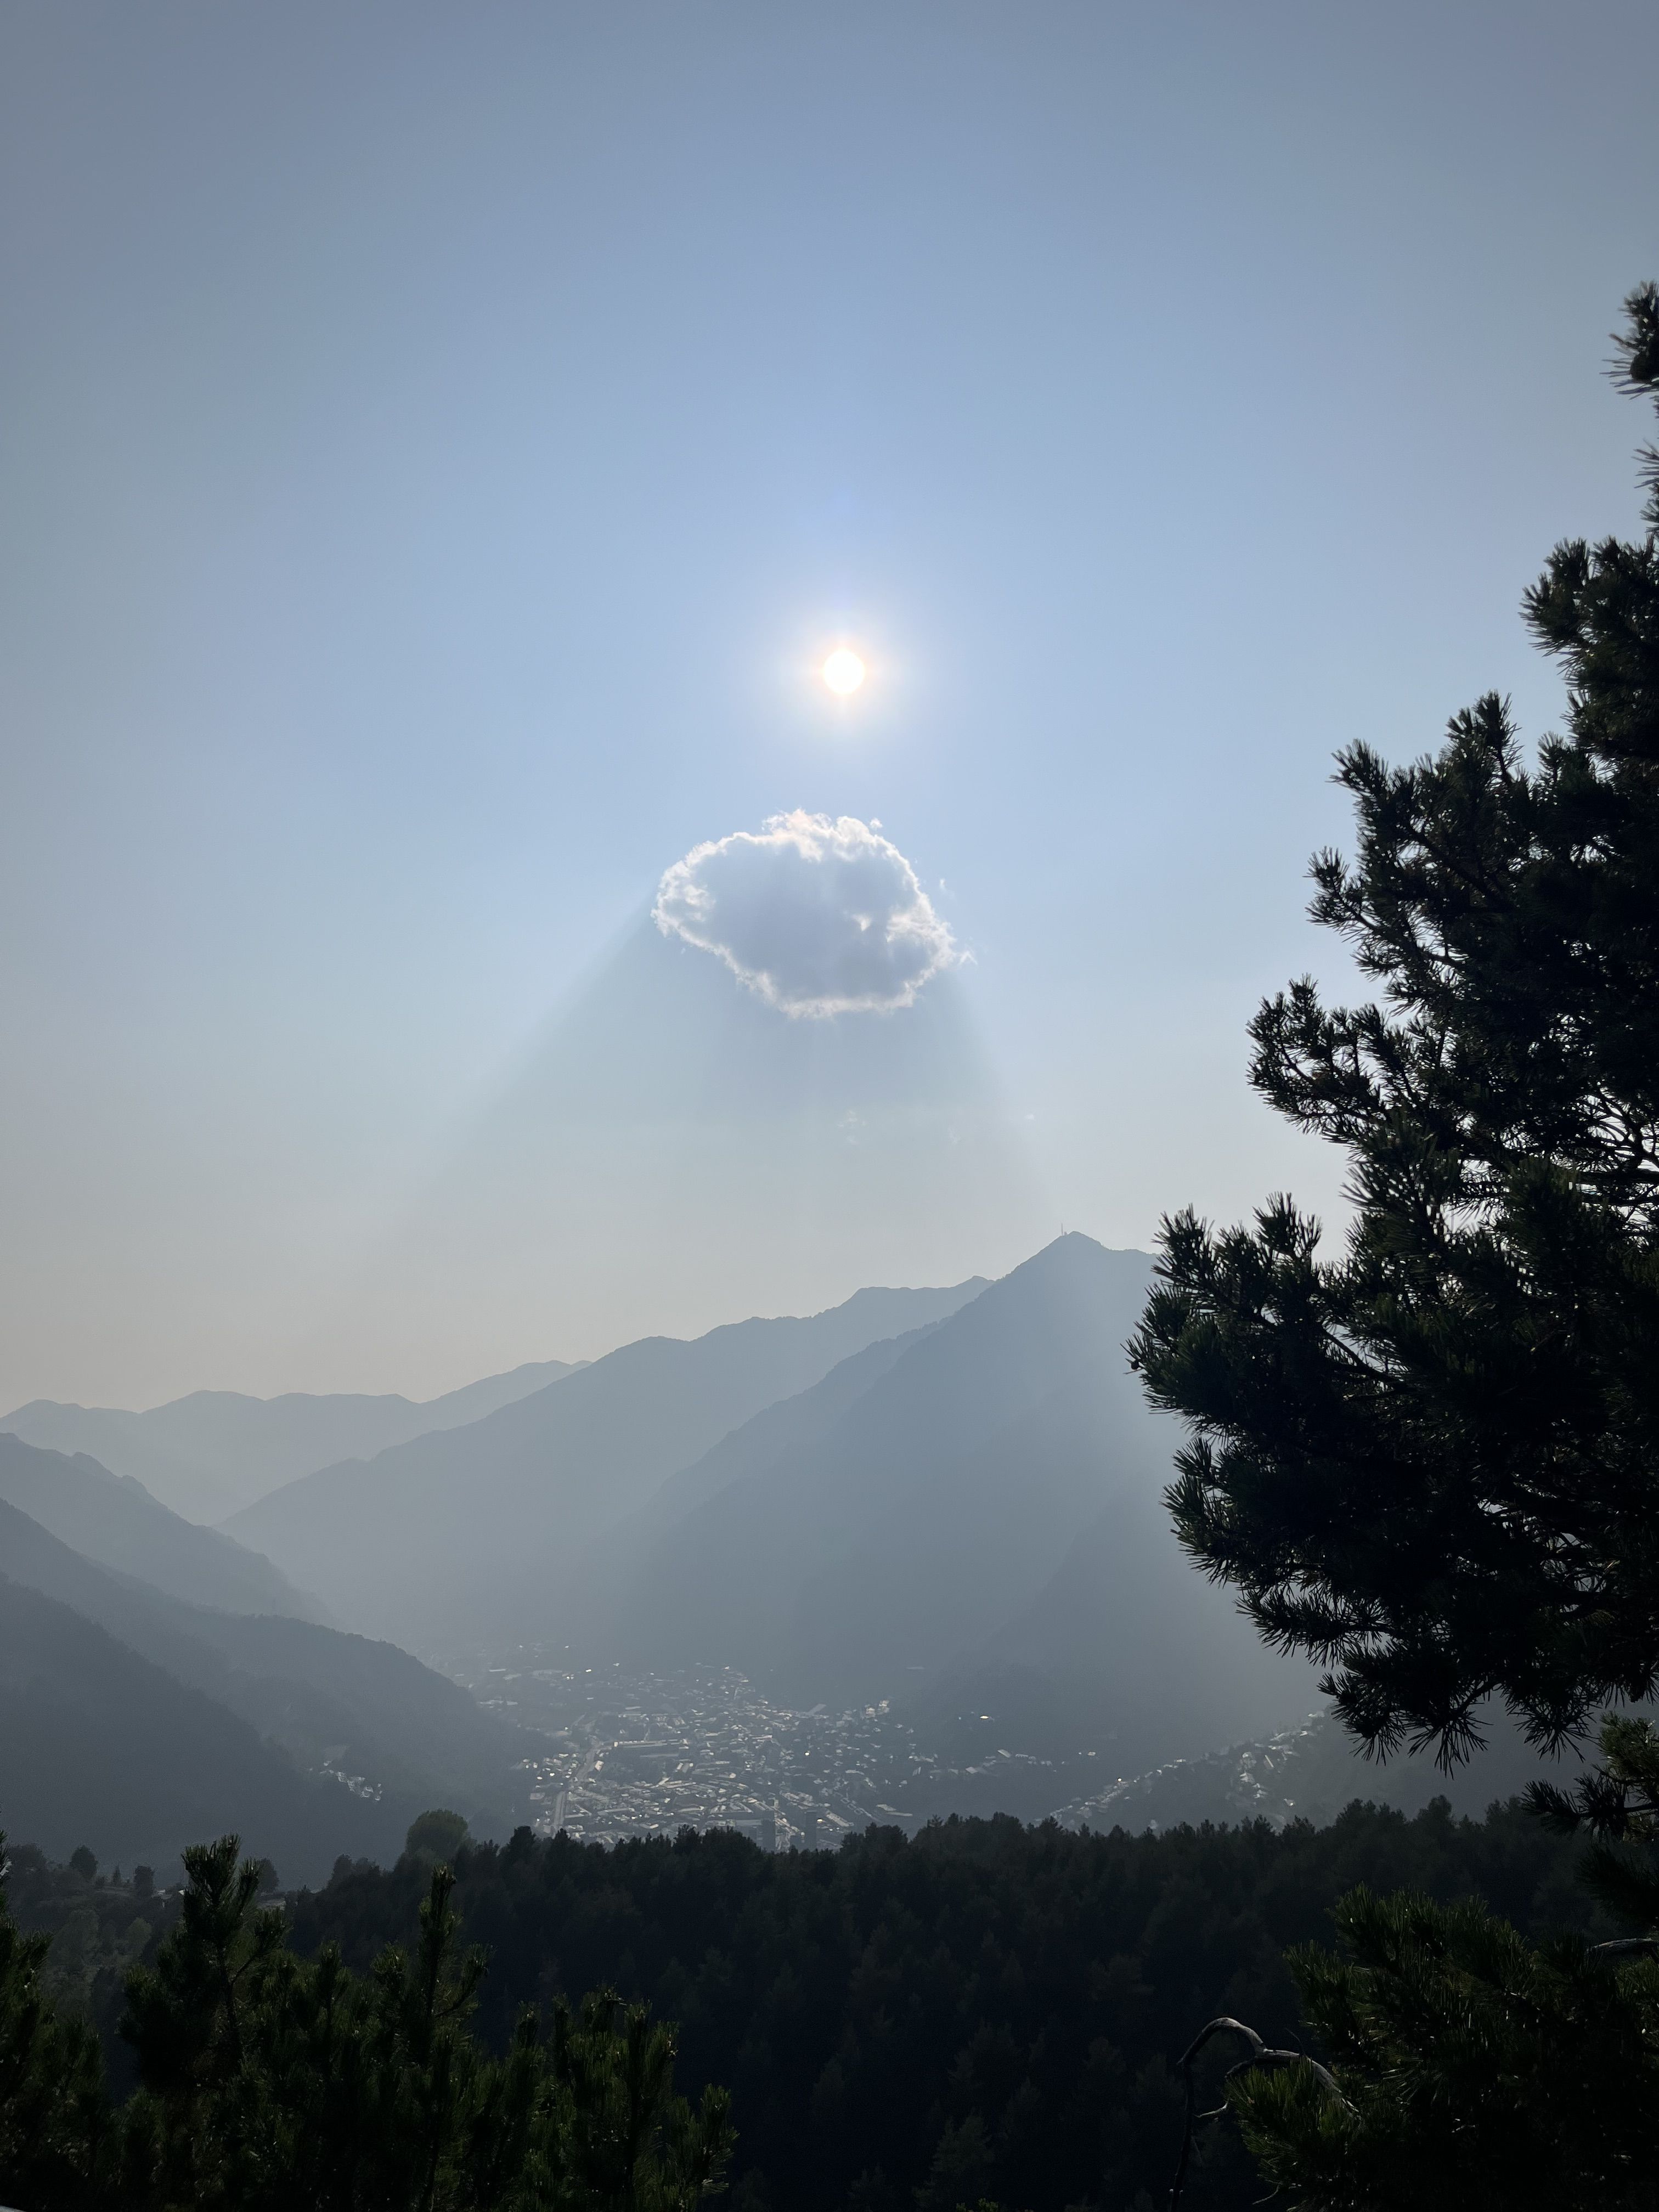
{"x":990,"y":2011}
{"x":269,"y":2080}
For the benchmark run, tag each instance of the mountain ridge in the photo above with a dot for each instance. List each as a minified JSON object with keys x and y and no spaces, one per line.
{"x":100,"y":1745}
{"x":113,"y":1520}
{"x":211,"y":1452}
{"x":897,"y":1549}
{"x":331,"y":1704}
{"x":470,"y":1528}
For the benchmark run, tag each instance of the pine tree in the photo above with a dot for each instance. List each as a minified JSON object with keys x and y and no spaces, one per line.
{"x":56,"y":2135}
{"x":1431,"y":1460}
{"x":1476,"y":2072}
{"x":1618,"y":1801}
{"x":271,"y":2082}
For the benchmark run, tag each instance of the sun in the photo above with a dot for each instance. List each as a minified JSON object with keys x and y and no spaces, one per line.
{"x":843,"y":671}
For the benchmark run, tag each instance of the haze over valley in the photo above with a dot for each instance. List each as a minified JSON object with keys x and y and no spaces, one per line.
{"x":641,"y":832}
{"x":902,"y":1558}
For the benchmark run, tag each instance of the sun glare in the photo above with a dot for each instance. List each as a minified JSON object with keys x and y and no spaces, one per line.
{"x":843,"y":671}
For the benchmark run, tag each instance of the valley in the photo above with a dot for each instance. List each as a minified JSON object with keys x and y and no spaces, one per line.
{"x":900,"y":1560}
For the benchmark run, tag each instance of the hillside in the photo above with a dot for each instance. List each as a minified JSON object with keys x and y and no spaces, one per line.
{"x":480,"y":1532}
{"x":1310,"y":1773}
{"x":99,"y":1746}
{"x":329,"y":1701}
{"x":113,"y":1519}
{"x":774,"y":1435}
{"x":209,"y":1454}
{"x":980,"y":1505}
{"x":1127,"y":1649}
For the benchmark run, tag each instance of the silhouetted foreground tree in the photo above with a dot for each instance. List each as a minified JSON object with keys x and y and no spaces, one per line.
{"x":1470,"y":2069}
{"x":271,"y":2082}
{"x":55,"y":2132}
{"x":1432,"y":1463}
{"x":1619,"y":1804}
{"x":1476,"y":2072}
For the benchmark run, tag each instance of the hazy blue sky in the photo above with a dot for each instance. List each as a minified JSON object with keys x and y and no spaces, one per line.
{"x":437,"y":443}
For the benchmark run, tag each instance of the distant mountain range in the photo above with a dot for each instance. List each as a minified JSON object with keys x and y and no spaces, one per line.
{"x":162,"y":1681}
{"x":950,"y":1498}
{"x":968,"y":1519}
{"x":209,"y":1454}
{"x":483,"y":1533}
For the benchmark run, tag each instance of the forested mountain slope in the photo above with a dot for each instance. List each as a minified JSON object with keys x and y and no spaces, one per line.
{"x":320,"y":1698}
{"x":113,"y":1519}
{"x":99,"y":1746}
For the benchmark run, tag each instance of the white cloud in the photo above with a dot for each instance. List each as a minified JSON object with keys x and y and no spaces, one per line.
{"x":818,"y":917}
